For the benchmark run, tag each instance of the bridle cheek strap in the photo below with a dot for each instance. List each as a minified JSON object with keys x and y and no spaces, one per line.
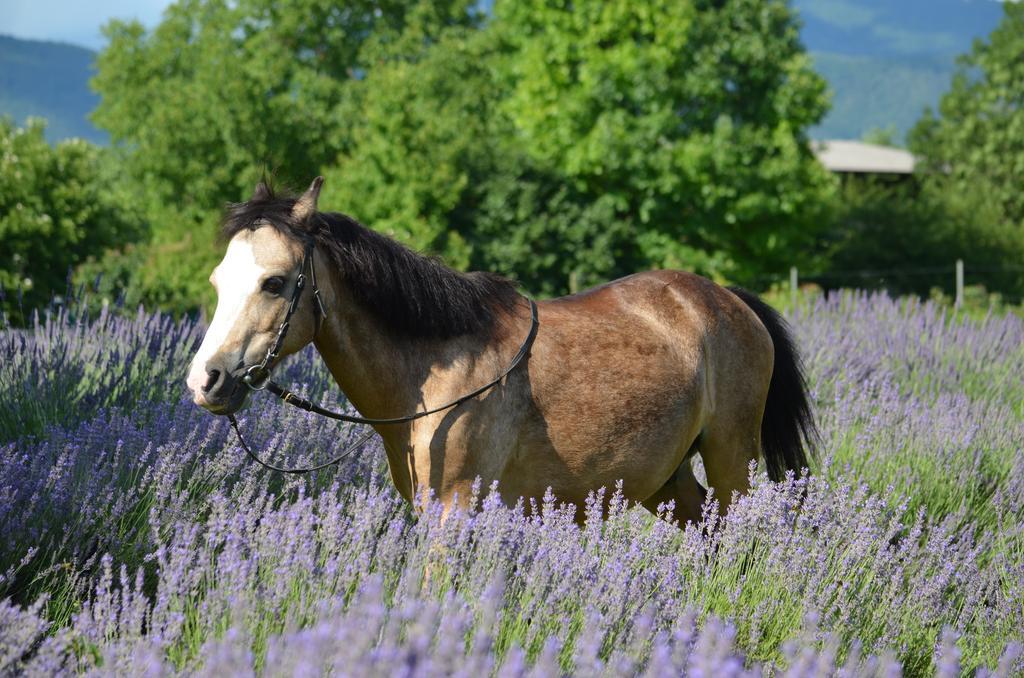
{"x":257,"y":376}
{"x":319,"y":312}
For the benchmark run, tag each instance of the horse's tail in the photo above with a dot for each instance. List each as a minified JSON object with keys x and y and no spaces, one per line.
{"x":788,"y":432}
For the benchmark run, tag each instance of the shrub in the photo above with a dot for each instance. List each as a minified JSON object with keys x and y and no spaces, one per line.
{"x":906,"y":237}
{"x":58,"y":205}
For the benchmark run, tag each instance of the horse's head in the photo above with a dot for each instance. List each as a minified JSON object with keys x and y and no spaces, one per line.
{"x":256,"y":281}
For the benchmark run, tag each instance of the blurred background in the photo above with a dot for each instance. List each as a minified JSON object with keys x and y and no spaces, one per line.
{"x":821,"y":143}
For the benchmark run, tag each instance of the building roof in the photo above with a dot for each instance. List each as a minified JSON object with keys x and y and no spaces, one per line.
{"x":858,"y":157}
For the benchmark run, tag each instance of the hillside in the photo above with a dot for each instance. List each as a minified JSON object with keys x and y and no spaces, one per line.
{"x":50,"y":80}
{"x":878,"y":92}
{"x":886,"y":61}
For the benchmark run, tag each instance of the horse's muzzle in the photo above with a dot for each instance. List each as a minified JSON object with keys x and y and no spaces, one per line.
{"x":224,"y":391}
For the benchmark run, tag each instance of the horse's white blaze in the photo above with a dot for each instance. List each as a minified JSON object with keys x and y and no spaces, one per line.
{"x":237,"y":278}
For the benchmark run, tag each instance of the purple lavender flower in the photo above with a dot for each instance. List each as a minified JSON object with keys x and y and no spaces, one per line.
{"x":135,"y":537}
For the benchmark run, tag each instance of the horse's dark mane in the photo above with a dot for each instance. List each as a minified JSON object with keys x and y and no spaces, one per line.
{"x":411,"y":295}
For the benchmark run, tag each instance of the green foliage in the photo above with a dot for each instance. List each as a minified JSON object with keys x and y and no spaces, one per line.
{"x":975,"y":146}
{"x":905,"y":237}
{"x":538,"y":228}
{"x":220,"y":92}
{"x":687,"y":116}
{"x":424,"y":134}
{"x":434,"y":164}
{"x":882,"y":136}
{"x":562,"y":146}
{"x":58,"y":205}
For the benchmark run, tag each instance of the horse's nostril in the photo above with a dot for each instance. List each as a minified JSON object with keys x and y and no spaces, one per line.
{"x":211,"y":381}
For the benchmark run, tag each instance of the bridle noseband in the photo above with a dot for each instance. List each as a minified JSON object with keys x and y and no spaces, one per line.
{"x":257,"y":377}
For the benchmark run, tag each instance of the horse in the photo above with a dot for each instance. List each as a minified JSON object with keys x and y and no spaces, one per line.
{"x":625,"y":382}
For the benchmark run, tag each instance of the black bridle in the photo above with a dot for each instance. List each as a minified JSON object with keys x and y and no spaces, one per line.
{"x":257,"y":377}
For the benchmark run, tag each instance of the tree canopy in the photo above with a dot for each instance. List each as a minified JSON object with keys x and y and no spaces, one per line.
{"x":562,"y":143}
{"x":688,"y":116}
{"x":58,"y":205}
{"x":977,"y":138}
{"x":973,"y":149}
{"x":218,"y":90}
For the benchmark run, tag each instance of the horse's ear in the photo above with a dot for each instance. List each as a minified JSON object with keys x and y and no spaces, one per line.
{"x":261,"y":192}
{"x":306,"y":204}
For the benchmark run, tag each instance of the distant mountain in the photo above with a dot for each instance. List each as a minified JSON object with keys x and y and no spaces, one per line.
{"x":878,"y":92}
{"x":49,"y":80}
{"x":886,"y":60}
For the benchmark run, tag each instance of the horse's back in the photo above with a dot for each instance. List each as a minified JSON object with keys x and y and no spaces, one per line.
{"x":681,"y":310}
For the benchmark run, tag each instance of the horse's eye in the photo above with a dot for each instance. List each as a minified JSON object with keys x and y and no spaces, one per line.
{"x":273,"y":285}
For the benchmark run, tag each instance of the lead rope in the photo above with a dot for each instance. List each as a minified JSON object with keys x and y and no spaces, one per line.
{"x":348,"y":450}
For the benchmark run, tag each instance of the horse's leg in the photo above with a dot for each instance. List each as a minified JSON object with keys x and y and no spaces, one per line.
{"x":727,"y":447}
{"x":685,"y":491}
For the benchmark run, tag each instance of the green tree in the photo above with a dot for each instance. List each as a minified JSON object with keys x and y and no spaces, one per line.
{"x":535,"y":226}
{"x":220,"y":92}
{"x":58,"y":205}
{"x":425,"y":132}
{"x":972,"y":151}
{"x":688,"y":115}
{"x":977,"y":140}
{"x":905,"y":237}
{"x":571,"y":142}
{"x":578,"y":143}
{"x":435,"y":164}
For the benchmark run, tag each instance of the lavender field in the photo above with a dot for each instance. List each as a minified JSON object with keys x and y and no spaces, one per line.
{"x":137,"y":538}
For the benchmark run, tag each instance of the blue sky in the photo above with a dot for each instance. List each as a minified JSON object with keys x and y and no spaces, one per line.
{"x":74,"y":21}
